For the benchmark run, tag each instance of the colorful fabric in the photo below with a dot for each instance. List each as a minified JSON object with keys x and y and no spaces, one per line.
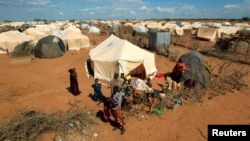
{"x":141,"y":85}
{"x":178,"y":69}
{"x":128,"y":77}
{"x":159,"y":75}
{"x":190,"y":83}
{"x":127,"y":89}
{"x":106,"y":112}
{"x":117,"y":114}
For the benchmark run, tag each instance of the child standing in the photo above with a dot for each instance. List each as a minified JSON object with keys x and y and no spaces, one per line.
{"x":97,"y":86}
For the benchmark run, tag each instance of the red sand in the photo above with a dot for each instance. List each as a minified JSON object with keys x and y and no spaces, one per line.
{"x":42,"y":84}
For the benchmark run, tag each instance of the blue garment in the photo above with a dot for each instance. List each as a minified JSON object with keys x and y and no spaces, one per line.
{"x":97,"y":91}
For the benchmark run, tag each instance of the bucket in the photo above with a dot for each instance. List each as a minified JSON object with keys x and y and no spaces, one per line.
{"x":158,"y":112}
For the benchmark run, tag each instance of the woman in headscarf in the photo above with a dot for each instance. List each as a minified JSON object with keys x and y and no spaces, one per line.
{"x":74,"y":82}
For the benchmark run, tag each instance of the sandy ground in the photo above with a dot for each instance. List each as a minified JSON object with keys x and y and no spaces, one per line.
{"x":42,"y":84}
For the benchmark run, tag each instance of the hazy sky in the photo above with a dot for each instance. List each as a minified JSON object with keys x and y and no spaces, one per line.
{"x":19,"y":10}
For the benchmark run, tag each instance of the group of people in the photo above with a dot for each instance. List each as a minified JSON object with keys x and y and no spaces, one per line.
{"x":112,"y":104}
{"x":121,"y":90}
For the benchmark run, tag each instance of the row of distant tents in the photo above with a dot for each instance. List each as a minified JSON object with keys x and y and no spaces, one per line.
{"x":75,"y":40}
{"x":209,"y":32}
{"x":71,"y":36}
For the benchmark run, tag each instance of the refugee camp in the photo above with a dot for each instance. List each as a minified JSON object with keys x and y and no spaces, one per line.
{"x":130,"y":70}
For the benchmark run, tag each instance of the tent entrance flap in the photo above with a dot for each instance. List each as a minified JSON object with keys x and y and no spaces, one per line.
{"x":90,"y":67}
{"x":139,"y":72}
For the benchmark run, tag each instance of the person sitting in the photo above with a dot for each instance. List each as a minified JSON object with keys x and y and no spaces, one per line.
{"x":176,"y":74}
{"x":172,"y":84}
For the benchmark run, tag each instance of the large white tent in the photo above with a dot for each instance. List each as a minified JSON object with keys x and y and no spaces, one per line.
{"x":11,"y":39}
{"x":115,"y":55}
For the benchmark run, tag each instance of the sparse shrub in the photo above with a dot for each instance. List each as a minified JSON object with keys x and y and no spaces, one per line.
{"x":228,"y":80}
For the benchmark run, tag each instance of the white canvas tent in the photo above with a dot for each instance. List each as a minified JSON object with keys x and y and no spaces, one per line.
{"x":74,"y":40}
{"x":140,"y":29}
{"x":228,"y":30}
{"x":94,"y":29}
{"x":11,"y":39}
{"x":34,"y":32}
{"x":115,"y":55}
{"x":207,"y":33}
{"x":153,"y":25}
{"x":173,"y":29}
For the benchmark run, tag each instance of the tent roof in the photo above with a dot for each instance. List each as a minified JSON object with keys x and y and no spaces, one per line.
{"x":115,"y":54}
{"x":114,"y":49}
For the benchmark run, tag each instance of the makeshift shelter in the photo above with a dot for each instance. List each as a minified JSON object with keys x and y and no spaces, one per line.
{"x":153,"y":25}
{"x":34,"y":32}
{"x":215,"y":25}
{"x":196,"y":25}
{"x":72,"y":28}
{"x":84,"y":26}
{"x":11,"y":39}
{"x":228,"y":31}
{"x":226,"y":24}
{"x":241,"y":24}
{"x":74,"y":40}
{"x":114,"y":25}
{"x":49,"y":47}
{"x":140,"y":29}
{"x":94,"y":30}
{"x":159,"y":41}
{"x":173,"y":29}
{"x":115,"y":55}
{"x":44,"y":28}
{"x":207,"y":33}
{"x":193,"y":70}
